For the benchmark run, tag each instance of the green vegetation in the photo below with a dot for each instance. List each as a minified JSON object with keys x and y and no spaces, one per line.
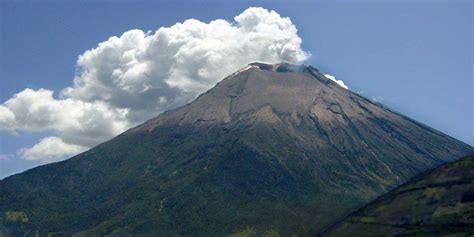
{"x":458,"y":208}
{"x":434,"y":192}
{"x":437,"y":203}
{"x":16,"y":216}
{"x":271,"y":233}
{"x":251,"y":232}
{"x":367,"y":219}
{"x":248,"y":232}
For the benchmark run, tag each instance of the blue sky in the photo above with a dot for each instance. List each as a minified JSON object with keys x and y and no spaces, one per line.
{"x":413,"y":56}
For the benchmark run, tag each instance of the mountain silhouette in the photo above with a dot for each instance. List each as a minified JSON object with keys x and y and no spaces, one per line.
{"x":272,"y":148}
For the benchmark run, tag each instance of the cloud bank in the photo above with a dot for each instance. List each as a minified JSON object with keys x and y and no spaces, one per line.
{"x":128,"y":79}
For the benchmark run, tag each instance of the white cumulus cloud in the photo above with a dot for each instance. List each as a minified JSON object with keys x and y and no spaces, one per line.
{"x":130,"y":78}
{"x":339,"y":82}
{"x":178,"y":63}
{"x":75,"y":121}
{"x":50,"y":149}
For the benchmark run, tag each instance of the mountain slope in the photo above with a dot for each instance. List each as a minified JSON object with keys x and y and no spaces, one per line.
{"x":439,"y":202}
{"x":270,"y":148}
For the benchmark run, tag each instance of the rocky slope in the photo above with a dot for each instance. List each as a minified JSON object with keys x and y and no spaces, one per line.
{"x":276,"y":148}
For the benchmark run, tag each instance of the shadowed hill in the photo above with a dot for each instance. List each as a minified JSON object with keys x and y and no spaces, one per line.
{"x":436,"y":203}
{"x":276,"y":148}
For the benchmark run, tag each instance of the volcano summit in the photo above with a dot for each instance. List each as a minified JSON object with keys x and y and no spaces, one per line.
{"x":271,"y":148}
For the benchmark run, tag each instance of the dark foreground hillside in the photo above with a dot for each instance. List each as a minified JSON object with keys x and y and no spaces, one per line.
{"x":270,"y":149}
{"x":437,"y":203}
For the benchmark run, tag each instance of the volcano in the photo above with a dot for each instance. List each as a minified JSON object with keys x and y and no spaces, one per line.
{"x":271,"y":149}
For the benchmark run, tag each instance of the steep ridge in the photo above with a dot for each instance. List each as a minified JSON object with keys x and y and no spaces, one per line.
{"x":270,"y":148}
{"x":436,"y":203}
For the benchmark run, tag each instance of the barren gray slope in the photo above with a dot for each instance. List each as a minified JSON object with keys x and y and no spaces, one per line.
{"x":300,"y":98}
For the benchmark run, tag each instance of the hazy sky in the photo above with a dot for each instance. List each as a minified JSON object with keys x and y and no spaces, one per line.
{"x":414,"y":56}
